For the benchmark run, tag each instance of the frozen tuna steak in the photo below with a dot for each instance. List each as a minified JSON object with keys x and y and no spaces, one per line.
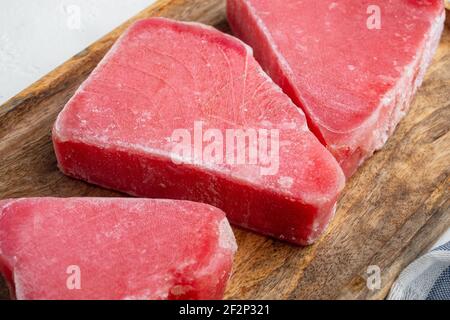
{"x":352,"y":66}
{"x":181,"y":110}
{"x":95,"y":248}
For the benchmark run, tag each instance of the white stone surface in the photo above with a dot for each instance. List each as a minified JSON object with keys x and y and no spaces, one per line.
{"x":37,"y":36}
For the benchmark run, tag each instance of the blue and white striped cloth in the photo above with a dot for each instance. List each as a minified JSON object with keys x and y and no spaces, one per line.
{"x":427,"y":278}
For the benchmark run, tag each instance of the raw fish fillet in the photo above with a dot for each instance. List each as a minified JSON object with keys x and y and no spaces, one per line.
{"x":353,"y":78}
{"x":164,"y":76}
{"x":106,"y":248}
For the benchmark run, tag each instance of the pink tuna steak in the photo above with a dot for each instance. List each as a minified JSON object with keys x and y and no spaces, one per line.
{"x":94,"y":248}
{"x":352,"y":66}
{"x":156,"y":116}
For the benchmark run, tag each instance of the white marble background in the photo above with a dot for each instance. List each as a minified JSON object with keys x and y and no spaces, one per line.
{"x":37,"y":36}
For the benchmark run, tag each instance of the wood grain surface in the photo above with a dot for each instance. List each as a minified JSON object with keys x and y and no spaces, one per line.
{"x":392,"y":209}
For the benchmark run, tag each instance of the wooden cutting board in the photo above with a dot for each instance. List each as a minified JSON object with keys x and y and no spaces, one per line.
{"x":390,"y":212}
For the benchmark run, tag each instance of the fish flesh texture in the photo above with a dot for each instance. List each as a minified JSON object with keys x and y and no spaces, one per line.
{"x":352,"y":66}
{"x":183,"y":111}
{"x":114,"y":248}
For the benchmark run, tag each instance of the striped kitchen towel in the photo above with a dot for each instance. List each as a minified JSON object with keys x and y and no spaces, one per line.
{"x":427,"y":278}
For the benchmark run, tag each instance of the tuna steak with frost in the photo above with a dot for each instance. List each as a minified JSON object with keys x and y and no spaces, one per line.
{"x":94,"y":248}
{"x":183,"y":111}
{"x":352,"y":66}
